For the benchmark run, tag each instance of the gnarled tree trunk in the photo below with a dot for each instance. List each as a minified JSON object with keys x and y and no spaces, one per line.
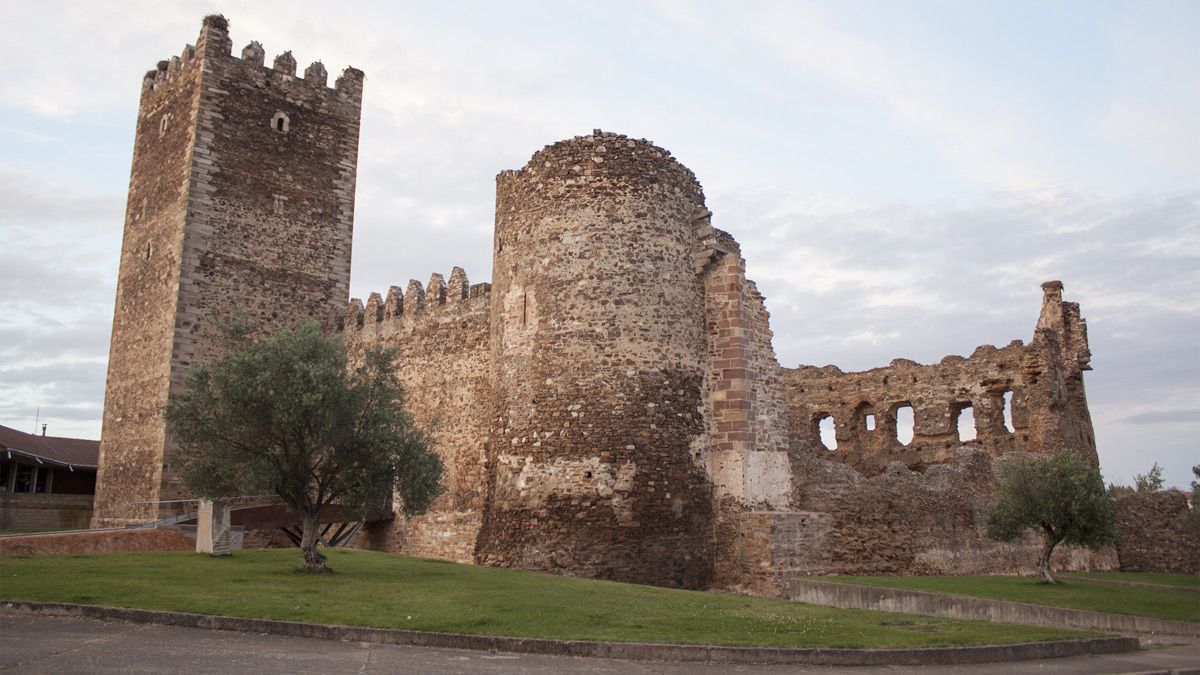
{"x":311,"y":559}
{"x":1051,"y":540}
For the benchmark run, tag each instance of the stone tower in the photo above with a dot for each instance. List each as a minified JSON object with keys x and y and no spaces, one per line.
{"x":241,"y":197}
{"x":599,"y":356}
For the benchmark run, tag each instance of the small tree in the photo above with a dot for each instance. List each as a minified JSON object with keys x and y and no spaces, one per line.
{"x":1063,"y":496}
{"x":1190,"y":520}
{"x":286,"y":415}
{"x":1151,"y":481}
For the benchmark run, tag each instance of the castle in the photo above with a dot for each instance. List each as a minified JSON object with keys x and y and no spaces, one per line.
{"x":610,"y":405}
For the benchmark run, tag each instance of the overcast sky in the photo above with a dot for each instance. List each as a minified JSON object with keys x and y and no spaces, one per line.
{"x":901,"y":175}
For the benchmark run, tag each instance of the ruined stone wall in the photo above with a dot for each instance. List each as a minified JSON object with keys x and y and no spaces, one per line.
{"x":241,"y":198}
{"x":906,"y":522}
{"x":1043,"y":379}
{"x":440,"y":333}
{"x":1151,"y":536}
{"x":598,"y":343}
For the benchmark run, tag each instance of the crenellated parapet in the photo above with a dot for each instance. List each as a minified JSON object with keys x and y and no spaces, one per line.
{"x":407,"y":309}
{"x":214,"y":44}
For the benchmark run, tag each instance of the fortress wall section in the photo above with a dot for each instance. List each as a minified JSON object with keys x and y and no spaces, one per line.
{"x":440,"y":333}
{"x":241,"y":199}
{"x":1152,"y":535}
{"x":905,"y":522}
{"x":598,"y":342}
{"x":1040,"y":383}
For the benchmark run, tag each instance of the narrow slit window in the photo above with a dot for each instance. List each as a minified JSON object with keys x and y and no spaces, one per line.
{"x":280,"y":122}
{"x":869,"y":422}
{"x":1008,"y":419}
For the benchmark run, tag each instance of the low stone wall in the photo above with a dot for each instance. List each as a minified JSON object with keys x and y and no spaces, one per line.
{"x":852,"y":596}
{"x":45,"y":511}
{"x":1150,"y":536}
{"x":97,"y":541}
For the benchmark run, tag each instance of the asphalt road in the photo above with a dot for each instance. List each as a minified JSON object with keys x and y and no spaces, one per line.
{"x":31,"y":644}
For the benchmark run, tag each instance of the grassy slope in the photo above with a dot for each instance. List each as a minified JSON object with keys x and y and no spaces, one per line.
{"x":1160,"y":578}
{"x":375,"y":589}
{"x":1150,"y":602}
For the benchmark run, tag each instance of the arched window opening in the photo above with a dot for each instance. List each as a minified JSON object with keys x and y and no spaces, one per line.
{"x":964,"y":420}
{"x":827,"y":431}
{"x":280,"y":122}
{"x":905,"y":422}
{"x":1008,"y":420}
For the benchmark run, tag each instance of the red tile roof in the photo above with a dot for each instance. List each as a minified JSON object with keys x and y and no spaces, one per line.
{"x":74,"y":451}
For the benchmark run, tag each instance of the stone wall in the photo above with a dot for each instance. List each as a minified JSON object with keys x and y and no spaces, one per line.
{"x":1151,"y":536}
{"x":905,"y":522}
{"x":241,"y":199}
{"x":440,"y":334}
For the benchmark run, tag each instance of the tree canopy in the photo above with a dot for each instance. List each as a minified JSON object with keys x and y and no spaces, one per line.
{"x":288,"y":415}
{"x":1062,"y":496}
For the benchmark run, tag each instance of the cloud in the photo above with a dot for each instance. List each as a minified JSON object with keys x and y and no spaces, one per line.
{"x":1185,"y":416}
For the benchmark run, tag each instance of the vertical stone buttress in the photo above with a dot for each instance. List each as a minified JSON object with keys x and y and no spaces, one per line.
{"x":598,"y":343}
{"x":241,"y":197}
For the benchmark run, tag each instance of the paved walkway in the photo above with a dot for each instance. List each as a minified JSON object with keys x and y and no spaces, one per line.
{"x":53,"y":645}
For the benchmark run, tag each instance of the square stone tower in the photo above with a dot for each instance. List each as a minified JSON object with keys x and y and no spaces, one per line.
{"x":241,"y":197}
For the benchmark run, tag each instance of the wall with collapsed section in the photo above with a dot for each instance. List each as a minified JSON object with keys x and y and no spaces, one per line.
{"x":1026,"y":398}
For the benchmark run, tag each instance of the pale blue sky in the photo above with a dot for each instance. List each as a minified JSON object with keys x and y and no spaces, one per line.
{"x":902,"y":175}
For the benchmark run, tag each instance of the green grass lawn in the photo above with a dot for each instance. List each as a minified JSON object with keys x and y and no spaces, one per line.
{"x":377,"y":589}
{"x":1151,"y":602}
{"x":1191,"y":581}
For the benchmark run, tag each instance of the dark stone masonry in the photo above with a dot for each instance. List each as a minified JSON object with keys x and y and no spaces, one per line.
{"x":610,"y":405}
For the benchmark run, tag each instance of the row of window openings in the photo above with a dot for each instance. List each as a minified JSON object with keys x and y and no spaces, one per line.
{"x":905,"y":421}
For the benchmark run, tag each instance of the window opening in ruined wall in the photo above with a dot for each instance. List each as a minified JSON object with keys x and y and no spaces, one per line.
{"x":965,"y":421}
{"x":905,"y":421}
{"x":827,"y":431}
{"x":1008,"y":422}
{"x":280,"y":122}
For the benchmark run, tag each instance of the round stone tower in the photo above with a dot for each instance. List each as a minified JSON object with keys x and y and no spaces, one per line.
{"x":598,"y":346}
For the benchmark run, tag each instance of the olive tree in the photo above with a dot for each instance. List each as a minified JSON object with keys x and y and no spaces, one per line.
{"x":1061,"y":496}
{"x":287,"y":415}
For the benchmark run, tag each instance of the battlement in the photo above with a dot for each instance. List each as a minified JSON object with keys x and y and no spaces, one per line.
{"x":413,"y":303}
{"x":214,"y":43}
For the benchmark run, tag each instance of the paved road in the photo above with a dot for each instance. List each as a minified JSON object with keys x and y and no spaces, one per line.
{"x":52,"y":645}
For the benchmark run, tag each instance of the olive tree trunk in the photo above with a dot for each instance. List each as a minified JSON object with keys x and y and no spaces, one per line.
{"x":1051,"y":540}
{"x":311,"y":559}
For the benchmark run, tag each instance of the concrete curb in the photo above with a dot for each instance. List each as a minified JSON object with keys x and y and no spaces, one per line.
{"x":855,"y":596}
{"x":609,"y":650}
